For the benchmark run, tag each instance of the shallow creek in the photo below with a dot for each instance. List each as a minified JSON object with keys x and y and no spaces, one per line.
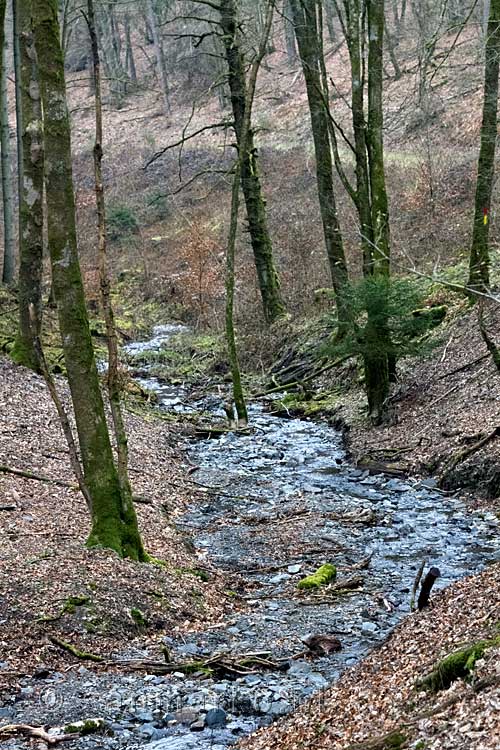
{"x":286,"y":500}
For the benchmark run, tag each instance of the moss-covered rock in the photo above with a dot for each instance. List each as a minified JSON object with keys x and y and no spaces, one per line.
{"x":88,"y":726}
{"x":457,"y":665}
{"x":325,"y":574}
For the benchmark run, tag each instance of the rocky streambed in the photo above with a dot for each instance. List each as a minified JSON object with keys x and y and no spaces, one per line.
{"x":281,"y":500}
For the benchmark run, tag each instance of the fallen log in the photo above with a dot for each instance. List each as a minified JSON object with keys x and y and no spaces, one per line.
{"x":219,"y":664}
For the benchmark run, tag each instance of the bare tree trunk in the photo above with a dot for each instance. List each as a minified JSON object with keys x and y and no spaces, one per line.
{"x":479,"y":277}
{"x":291,"y":47}
{"x":9,"y":254}
{"x":129,"y":58}
{"x":114,"y":523}
{"x":31,"y":220}
{"x":161,"y":65}
{"x":116,"y":75}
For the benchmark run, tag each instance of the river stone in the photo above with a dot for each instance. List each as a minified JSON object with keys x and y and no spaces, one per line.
{"x":279,"y":708}
{"x":186,"y":715}
{"x":198,"y":726}
{"x":216,"y":717}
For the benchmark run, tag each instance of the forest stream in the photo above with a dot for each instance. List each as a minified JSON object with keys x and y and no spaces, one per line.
{"x":285,"y":499}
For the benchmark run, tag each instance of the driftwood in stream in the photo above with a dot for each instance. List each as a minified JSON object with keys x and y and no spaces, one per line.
{"x":11,"y":730}
{"x":216,"y":431}
{"x":330,"y":593}
{"x":430,"y":579}
{"x":220,"y":665}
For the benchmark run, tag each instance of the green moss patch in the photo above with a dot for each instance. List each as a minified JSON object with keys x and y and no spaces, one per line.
{"x":325,"y":574}
{"x":457,"y":665}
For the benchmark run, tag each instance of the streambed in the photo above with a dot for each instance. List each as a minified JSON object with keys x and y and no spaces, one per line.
{"x":284,"y":500}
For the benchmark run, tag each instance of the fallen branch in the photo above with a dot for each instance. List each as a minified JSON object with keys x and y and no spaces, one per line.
{"x":10,"y":730}
{"x":464,"y":367}
{"x":461,"y":456}
{"x":218,"y":664}
{"x":84,"y":655}
{"x":30,"y":475}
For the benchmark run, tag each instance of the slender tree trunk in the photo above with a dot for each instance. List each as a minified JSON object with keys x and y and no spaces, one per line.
{"x":238,"y":396}
{"x":31,"y":194}
{"x":250,"y":179}
{"x":129,"y":59}
{"x":161,"y":65}
{"x":114,"y":523}
{"x":306,"y":29}
{"x":19,"y":126}
{"x":115,"y":73}
{"x":355,"y":31}
{"x":9,"y":254}
{"x":113,"y":377}
{"x":330,"y":14}
{"x":479,"y":254}
{"x":291,"y":47}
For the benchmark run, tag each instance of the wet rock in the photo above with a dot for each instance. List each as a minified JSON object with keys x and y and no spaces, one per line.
{"x":198,"y":726}
{"x":216,"y":717}
{"x":368,"y":627}
{"x":279,"y":708}
{"x":280,"y":578}
{"x":186,"y":716}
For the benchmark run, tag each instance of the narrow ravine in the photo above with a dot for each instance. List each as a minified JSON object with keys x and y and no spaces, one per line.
{"x":279,"y":501}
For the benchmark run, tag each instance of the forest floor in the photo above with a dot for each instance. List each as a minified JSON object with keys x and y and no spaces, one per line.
{"x":51,"y":585}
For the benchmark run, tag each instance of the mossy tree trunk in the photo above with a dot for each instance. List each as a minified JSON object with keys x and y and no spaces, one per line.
{"x":250,"y":179}
{"x":114,"y":523}
{"x":479,"y":253}
{"x":309,"y":45}
{"x":31,"y":198}
{"x":9,"y":251}
{"x":379,"y":364}
{"x":243,"y":145}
